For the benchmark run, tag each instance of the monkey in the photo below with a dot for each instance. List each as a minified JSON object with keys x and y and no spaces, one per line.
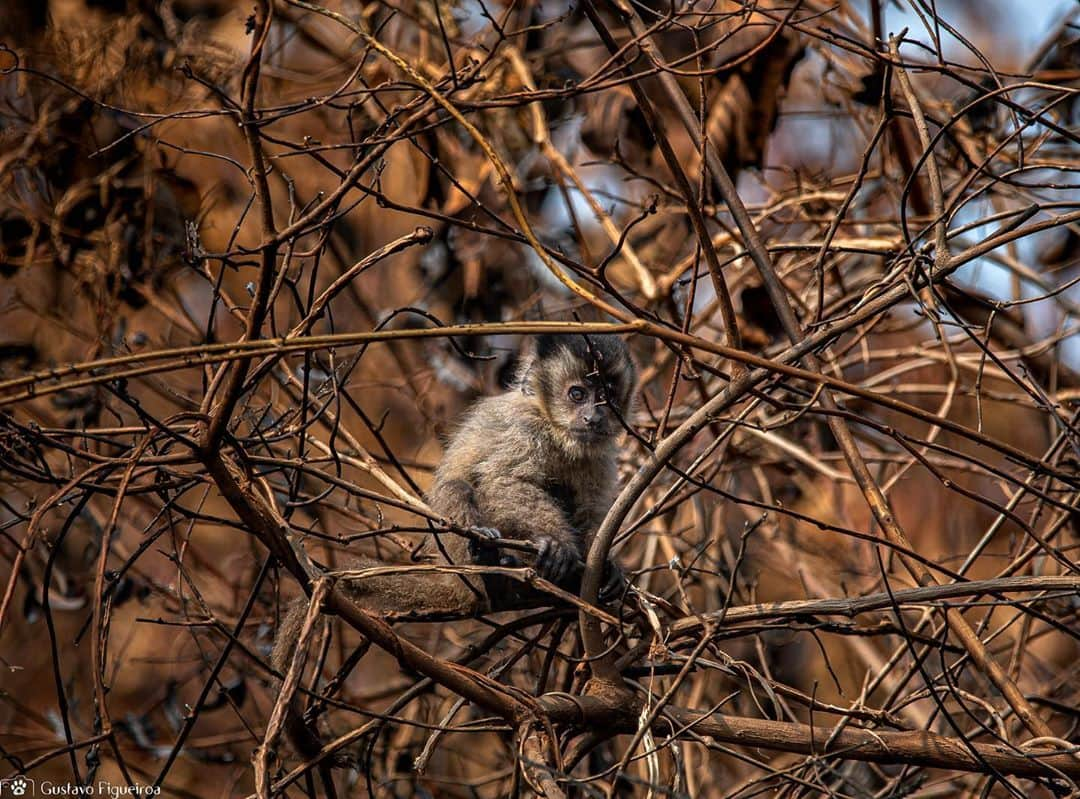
{"x":536,"y":462}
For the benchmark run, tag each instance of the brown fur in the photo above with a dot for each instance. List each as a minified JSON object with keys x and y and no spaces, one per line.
{"x":520,"y":462}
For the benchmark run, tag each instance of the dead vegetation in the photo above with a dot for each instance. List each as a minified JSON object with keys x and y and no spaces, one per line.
{"x":255,"y":258}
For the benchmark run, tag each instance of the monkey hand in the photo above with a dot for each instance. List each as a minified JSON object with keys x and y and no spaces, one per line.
{"x":484,"y":548}
{"x":485,"y":534}
{"x":555,"y":559}
{"x":614,"y":581}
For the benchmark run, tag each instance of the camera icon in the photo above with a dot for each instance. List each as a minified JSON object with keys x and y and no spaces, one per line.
{"x":17,"y":786}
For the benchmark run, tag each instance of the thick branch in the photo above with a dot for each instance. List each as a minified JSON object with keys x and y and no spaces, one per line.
{"x":865,"y":604}
{"x":915,"y":748}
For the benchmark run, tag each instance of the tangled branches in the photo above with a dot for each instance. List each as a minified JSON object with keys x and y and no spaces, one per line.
{"x":253,"y":266}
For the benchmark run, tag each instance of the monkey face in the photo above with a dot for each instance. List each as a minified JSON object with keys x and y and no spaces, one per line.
{"x":587,"y":411}
{"x":584,"y":384}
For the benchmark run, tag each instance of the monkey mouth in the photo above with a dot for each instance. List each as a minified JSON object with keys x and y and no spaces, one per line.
{"x":590,"y":435}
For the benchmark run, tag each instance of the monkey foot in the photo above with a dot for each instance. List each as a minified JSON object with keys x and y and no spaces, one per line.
{"x":614,"y":582}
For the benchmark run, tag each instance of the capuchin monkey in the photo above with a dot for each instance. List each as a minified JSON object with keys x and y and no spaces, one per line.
{"x":536,"y":463}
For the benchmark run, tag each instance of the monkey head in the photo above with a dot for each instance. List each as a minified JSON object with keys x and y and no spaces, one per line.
{"x":582,"y":385}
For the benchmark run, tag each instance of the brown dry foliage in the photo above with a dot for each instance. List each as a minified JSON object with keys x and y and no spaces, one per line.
{"x":197,"y":173}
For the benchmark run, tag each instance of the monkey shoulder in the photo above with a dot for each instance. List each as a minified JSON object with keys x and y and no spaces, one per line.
{"x":493,"y":433}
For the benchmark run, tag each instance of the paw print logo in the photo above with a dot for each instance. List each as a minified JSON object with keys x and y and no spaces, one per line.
{"x":17,"y":786}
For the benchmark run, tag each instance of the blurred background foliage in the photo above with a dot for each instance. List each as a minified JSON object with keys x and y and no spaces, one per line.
{"x":129,"y":223}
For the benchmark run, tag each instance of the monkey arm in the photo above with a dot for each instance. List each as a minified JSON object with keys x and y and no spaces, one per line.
{"x":456,"y":501}
{"x":521,"y":509}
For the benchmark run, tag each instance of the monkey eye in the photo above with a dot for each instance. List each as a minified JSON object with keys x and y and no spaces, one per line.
{"x":577,"y":394}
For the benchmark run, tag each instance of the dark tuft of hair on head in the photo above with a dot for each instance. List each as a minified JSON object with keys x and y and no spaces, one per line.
{"x":606,"y":356}
{"x":547,"y":344}
{"x":606,"y":351}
